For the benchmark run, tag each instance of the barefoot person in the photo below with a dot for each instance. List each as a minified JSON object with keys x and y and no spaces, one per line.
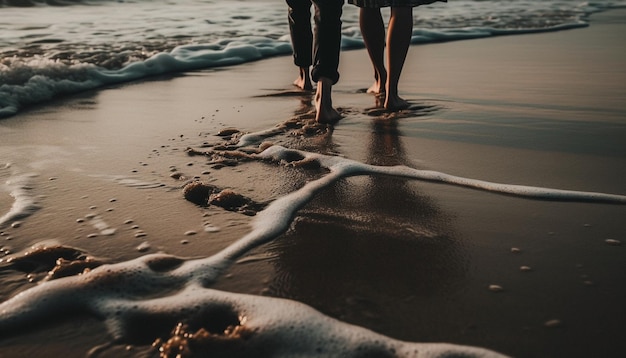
{"x":327,"y":44}
{"x":326,"y":47}
{"x":299,"y":16}
{"x":398,"y":40}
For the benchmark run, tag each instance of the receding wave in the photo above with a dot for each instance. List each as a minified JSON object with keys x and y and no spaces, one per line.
{"x":34,"y":80}
{"x":39,"y":63}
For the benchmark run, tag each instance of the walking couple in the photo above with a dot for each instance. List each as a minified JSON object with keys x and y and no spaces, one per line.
{"x":320,"y":50}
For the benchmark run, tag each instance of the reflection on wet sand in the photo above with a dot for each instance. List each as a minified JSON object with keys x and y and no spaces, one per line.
{"x":365,"y":242}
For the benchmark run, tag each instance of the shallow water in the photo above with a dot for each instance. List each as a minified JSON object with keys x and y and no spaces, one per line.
{"x":49,"y":51}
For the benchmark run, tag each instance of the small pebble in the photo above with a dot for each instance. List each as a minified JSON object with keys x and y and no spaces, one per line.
{"x":112,"y":200}
{"x":91,"y":236}
{"x":211,"y":228}
{"x":16,"y":224}
{"x":525,"y":268}
{"x":495,"y":288}
{"x":613,"y":242}
{"x":190,"y":233}
{"x":80,"y":220}
{"x":143,"y":247}
{"x":135,"y":227}
{"x":140,"y":234}
{"x":515,"y":250}
{"x":184,"y":242}
{"x":129,"y":221}
{"x":108,"y":232}
{"x":552,"y":323}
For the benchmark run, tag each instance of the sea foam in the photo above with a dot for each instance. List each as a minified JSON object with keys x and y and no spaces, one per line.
{"x":24,"y":202}
{"x":33,"y":80}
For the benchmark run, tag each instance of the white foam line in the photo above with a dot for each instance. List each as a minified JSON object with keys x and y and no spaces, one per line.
{"x":126,"y":293}
{"x":346,"y":167}
{"x":24,"y":203}
{"x":256,"y":137}
{"x":277,"y":217}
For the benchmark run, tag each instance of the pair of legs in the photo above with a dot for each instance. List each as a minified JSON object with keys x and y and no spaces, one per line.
{"x":319,"y":49}
{"x":397,"y":40}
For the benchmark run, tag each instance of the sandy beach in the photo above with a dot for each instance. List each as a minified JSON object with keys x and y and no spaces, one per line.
{"x":409,"y":259}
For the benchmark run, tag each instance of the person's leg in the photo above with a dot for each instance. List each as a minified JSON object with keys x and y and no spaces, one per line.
{"x":373,"y":31}
{"x":398,"y":41}
{"x":299,"y":16}
{"x":326,"y":48}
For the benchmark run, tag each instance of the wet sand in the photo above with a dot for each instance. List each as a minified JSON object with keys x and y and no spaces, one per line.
{"x":411,"y":260}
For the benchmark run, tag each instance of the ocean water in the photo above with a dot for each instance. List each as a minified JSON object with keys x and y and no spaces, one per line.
{"x":52,"y":48}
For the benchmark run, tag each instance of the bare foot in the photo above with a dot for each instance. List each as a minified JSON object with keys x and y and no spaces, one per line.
{"x":379,"y":84}
{"x":395,"y":103}
{"x":304,"y":80}
{"x":323,"y":102}
{"x":376,"y":88}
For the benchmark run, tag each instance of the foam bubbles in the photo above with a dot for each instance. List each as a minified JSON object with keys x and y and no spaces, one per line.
{"x":24,"y":204}
{"x":345,"y":167}
{"x":126,"y":294}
